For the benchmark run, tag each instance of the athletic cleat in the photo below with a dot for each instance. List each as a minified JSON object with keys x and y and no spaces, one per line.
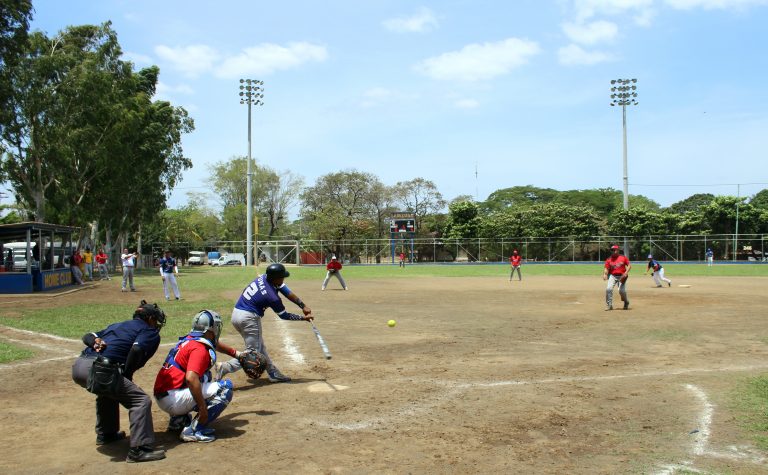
{"x":626,"y":305}
{"x":103,"y":439}
{"x":191,"y":435}
{"x":659,"y":286}
{"x":277,"y":377}
{"x":207,"y":431}
{"x":669,"y":284}
{"x":608,"y":308}
{"x":177,"y":423}
{"x":144,"y":453}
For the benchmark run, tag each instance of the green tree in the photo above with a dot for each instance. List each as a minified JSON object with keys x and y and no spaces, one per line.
{"x":641,"y":222}
{"x":15,"y":16}
{"x":692,"y":203}
{"x":282,"y":194}
{"x":463,"y":220}
{"x":420,"y":197}
{"x":760,"y":200}
{"x":542,"y":220}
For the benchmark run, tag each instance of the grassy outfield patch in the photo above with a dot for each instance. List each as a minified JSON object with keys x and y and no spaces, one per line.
{"x":10,"y":353}
{"x":751,"y":405}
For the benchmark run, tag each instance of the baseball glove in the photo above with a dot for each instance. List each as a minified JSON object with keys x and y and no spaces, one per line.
{"x":253,"y":363}
{"x":624,"y":278}
{"x":332,"y":271}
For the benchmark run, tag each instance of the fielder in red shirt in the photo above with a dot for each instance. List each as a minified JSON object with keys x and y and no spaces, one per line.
{"x":334,"y":269}
{"x":616,"y":272}
{"x":515,"y":260}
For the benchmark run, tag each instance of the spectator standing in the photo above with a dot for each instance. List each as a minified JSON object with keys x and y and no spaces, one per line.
{"x":74,"y":267}
{"x":129,"y":264}
{"x":101,"y":262}
{"x":88,"y":260}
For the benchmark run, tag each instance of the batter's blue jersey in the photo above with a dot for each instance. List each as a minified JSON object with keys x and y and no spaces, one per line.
{"x":260,"y":295}
{"x":120,"y":337}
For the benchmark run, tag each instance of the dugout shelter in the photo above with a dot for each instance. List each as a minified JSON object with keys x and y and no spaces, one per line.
{"x":35,"y":257}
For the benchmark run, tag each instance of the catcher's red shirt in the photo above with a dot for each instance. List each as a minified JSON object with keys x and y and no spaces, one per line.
{"x":335,"y":265}
{"x":192,"y":356}
{"x":617,"y":264}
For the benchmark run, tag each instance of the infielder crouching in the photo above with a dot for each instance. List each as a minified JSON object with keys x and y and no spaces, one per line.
{"x":334,"y":269}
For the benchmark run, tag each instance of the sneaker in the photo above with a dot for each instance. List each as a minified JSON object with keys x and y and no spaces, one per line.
{"x":608,"y":308}
{"x":277,"y":377}
{"x":190,"y":435}
{"x":669,"y":284}
{"x":133,"y":290}
{"x":658,"y":286}
{"x":177,"y":423}
{"x":144,"y":453}
{"x":207,"y":431}
{"x":122,"y":290}
{"x":168,"y":299}
{"x":626,"y":305}
{"x":178,"y":298}
{"x":103,"y":439}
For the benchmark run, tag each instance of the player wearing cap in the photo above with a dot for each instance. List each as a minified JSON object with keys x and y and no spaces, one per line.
{"x":616,"y":272}
{"x":260,"y":294}
{"x":515,"y":260}
{"x":657,"y":271}
{"x":333,"y":269}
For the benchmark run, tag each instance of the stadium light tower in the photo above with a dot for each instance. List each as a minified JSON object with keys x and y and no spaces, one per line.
{"x":624,"y":93}
{"x":251,"y":93}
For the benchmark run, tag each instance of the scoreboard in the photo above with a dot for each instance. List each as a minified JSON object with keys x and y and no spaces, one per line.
{"x":403,"y":224}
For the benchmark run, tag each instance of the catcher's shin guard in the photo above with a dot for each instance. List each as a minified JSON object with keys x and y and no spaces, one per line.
{"x":219,"y":402}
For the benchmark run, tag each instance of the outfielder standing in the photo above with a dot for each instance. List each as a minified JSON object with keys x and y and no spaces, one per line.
{"x":169,"y":271}
{"x":333,"y":268}
{"x":260,"y":294}
{"x":515,"y":260}
{"x":616,"y":273}
{"x":657,"y":271}
{"x":129,"y":345}
{"x":710,"y":257}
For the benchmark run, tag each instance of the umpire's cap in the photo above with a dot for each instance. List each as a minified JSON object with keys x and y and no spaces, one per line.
{"x":276,"y":271}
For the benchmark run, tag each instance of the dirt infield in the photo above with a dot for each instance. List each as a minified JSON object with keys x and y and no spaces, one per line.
{"x":479,"y":376}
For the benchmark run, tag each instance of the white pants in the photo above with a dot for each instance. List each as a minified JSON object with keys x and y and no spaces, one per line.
{"x":613,"y":281}
{"x":337,"y":274}
{"x":710,"y":260}
{"x":170,"y":277}
{"x":180,"y":401}
{"x":658,"y":276}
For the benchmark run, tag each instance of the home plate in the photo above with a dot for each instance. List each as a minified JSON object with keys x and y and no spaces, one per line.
{"x":325,"y":387}
{"x":685,"y":286}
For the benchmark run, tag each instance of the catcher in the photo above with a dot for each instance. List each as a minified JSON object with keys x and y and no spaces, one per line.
{"x":334,"y":269}
{"x":185,"y":383}
{"x":616,"y":272}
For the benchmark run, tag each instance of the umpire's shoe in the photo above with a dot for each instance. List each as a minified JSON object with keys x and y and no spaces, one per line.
{"x":144,"y":453}
{"x":103,"y":439}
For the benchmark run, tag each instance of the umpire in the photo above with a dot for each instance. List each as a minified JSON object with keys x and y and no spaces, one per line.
{"x":106,"y":367}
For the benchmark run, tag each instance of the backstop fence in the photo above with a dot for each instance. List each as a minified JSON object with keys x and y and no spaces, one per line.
{"x":726,"y":247}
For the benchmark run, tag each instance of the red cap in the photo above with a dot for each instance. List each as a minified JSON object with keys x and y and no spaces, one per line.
{"x":615,"y":246}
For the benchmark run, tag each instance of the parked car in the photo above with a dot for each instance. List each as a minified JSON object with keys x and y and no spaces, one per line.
{"x":19,"y":263}
{"x":233,"y":259}
{"x":196,"y":258}
{"x":213,"y":258}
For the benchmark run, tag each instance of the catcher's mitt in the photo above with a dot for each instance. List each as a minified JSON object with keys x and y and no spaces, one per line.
{"x":253,"y":363}
{"x":624,"y":278}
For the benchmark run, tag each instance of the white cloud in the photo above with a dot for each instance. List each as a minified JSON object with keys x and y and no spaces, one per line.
{"x":586,"y":9}
{"x":137,"y":58}
{"x":574,"y":55}
{"x":591,"y":33}
{"x":191,"y":60}
{"x":165,"y":90}
{"x":466,"y":104}
{"x":268,"y":57}
{"x":477,"y":62}
{"x":421,"y":22}
{"x":714,"y":4}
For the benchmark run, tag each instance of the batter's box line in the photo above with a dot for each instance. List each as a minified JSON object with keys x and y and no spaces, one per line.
{"x":45,"y":335}
{"x":37,"y":362}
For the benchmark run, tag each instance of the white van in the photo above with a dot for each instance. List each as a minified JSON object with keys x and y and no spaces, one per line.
{"x":196,"y":258}
{"x":232,"y":259}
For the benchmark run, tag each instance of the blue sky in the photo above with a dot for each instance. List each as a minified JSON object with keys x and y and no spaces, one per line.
{"x":515,"y":90}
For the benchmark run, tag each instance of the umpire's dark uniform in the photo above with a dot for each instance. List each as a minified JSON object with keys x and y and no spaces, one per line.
{"x":131,"y":344}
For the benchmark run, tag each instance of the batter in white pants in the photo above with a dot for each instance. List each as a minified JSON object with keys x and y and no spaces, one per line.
{"x":336,"y":274}
{"x":169,"y":278}
{"x":658,"y":276}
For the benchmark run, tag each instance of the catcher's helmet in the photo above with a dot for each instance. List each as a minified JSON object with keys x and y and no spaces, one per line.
{"x":207,"y":320}
{"x":145,"y":311}
{"x":276,"y":271}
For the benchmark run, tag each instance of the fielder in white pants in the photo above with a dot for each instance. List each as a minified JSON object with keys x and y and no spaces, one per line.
{"x":169,"y":271}
{"x":657,"y":272}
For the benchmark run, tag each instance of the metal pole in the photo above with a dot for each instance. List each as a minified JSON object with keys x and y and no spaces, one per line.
{"x":248,"y":202}
{"x":736,"y":236}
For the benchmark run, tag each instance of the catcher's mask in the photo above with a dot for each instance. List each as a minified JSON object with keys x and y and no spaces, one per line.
{"x":276,"y":271}
{"x":145,"y":311}
{"x":207,"y":320}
